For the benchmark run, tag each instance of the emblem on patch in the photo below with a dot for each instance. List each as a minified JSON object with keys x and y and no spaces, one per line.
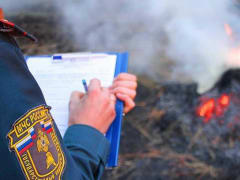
{"x":34,"y":140}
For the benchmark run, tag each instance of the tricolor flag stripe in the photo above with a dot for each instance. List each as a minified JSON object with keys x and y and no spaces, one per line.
{"x":32,"y":133}
{"x":26,"y":148}
{"x":49,"y":130}
{"x":34,"y":136}
{"x":24,"y":141}
{"x":42,"y":125}
{"x":31,"y":130}
{"x":48,"y":127}
{"x":47,"y":124}
{"x":24,"y":145}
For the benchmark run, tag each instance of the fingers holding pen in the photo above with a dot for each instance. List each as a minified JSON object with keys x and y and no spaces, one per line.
{"x":109,"y":101}
{"x":94,"y":85}
{"x":104,"y":94}
{"x":95,"y":109}
{"x":75,"y":97}
{"x":109,"y":96}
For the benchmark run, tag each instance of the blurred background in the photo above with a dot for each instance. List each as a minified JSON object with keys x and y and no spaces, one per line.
{"x":186,"y":55}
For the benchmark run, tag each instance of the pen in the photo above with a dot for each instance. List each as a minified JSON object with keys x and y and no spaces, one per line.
{"x":85,"y":85}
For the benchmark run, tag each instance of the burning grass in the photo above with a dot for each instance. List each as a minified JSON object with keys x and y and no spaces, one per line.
{"x":177,"y":138}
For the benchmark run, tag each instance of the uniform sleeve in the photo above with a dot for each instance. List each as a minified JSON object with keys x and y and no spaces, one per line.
{"x":85,"y":149}
{"x":88,"y":149}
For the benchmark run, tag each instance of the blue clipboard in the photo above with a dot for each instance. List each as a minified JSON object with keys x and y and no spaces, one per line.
{"x":114,"y":132}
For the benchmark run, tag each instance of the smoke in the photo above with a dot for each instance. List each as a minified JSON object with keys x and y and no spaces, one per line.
{"x":167,"y":40}
{"x":118,"y":26}
{"x":181,"y":41}
{"x":198,"y":41}
{"x":15,"y":6}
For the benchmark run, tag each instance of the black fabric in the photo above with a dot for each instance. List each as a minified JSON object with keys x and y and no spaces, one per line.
{"x":8,"y":39}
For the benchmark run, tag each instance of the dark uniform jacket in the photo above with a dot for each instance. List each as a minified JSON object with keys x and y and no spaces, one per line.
{"x":31,"y":146}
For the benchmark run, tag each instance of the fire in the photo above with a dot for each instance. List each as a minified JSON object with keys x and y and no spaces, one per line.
{"x":233,"y":58}
{"x":224,"y":100}
{"x":206,"y":110}
{"x":228,"y":30}
{"x":213,"y":107}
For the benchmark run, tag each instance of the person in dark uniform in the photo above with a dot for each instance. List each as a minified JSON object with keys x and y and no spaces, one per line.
{"x":31,"y":146}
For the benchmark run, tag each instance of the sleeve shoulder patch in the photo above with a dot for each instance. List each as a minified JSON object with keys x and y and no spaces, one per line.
{"x":33,"y":139}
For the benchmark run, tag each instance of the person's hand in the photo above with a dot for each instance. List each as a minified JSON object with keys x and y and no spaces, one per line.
{"x":124,"y":87}
{"x":95,"y":109}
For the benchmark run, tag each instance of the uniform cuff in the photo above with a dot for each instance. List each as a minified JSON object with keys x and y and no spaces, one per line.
{"x":89,"y":138}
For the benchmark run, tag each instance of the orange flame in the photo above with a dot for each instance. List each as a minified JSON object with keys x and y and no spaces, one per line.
{"x":224,"y":100}
{"x":1,"y":14}
{"x":206,"y":110}
{"x":213,"y":107}
{"x":233,"y":58}
{"x":228,"y":30}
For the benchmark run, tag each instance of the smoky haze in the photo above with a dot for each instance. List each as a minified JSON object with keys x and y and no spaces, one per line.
{"x":14,"y":6}
{"x":167,"y":40}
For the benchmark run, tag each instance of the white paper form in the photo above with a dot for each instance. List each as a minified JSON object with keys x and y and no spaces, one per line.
{"x":58,"y":78}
